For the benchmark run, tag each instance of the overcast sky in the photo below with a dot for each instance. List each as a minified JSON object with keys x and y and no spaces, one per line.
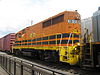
{"x":17,"y":14}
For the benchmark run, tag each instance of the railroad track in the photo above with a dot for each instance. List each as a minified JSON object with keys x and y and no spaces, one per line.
{"x":59,"y":67}
{"x":63,"y":67}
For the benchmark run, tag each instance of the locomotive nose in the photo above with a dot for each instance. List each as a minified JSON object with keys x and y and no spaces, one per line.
{"x":75,"y":30}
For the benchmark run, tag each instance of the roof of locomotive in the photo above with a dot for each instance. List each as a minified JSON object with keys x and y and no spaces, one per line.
{"x":50,"y":18}
{"x":57,"y":15}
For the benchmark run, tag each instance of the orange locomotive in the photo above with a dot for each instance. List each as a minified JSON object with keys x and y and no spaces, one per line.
{"x":54,"y":39}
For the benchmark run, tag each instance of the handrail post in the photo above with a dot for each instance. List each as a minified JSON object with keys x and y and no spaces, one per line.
{"x":14,"y":67}
{"x":32,"y":70}
{"x":2,"y":60}
{"x":6,"y":63}
{"x":53,"y":73}
{"x":9,"y":65}
{"x":21,"y":68}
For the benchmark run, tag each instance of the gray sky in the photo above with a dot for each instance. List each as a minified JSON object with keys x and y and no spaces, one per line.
{"x":17,"y":14}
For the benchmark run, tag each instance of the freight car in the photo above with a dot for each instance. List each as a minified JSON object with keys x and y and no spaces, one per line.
{"x":1,"y":44}
{"x":90,"y":45}
{"x":6,"y":42}
{"x":54,"y":39}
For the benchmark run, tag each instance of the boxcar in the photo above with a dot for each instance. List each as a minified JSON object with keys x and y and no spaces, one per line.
{"x":1,"y":44}
{"x":6,"y":42}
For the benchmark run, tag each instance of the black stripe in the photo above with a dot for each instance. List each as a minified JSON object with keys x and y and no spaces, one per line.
{"x":64,"y":35}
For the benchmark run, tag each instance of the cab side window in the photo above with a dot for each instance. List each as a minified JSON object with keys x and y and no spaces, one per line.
{"x":72,"y":21}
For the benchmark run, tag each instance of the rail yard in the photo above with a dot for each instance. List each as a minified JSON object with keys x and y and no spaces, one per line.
{"x":60,"y":45}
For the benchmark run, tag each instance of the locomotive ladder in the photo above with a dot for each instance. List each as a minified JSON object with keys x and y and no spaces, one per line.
{"x":87,"y":56}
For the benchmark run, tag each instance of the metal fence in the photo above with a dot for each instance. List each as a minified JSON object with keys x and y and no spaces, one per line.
{"x":15,"y":66}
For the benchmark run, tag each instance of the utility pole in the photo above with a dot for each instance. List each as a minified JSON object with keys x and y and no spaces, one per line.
{"x":31,"y":22}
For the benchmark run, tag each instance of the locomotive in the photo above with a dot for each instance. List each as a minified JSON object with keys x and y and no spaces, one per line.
{"x":54,"y":39}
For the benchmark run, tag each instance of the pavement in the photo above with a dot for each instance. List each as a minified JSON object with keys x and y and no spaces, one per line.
{"x":2,"y":71}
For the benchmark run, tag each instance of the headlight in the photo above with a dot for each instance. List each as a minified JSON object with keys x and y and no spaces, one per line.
{"x":75,"y":48}
{"x":78,"y":44}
